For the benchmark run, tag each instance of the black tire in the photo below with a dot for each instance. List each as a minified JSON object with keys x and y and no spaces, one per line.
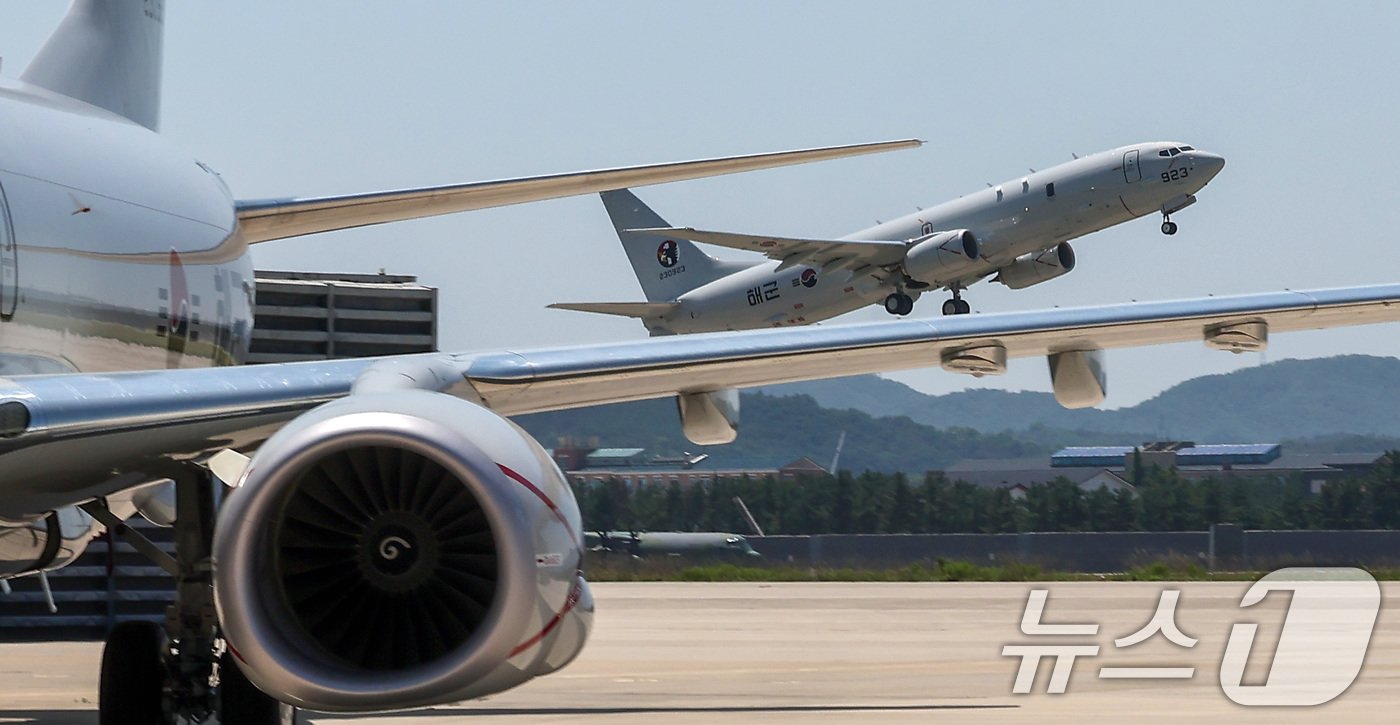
{"x":906,"y":305}
{"x":241,"y":702}
{"x":893,"y":303}
{"x":963,"y":307}
{"x":133,"y":675}
{"x":950,"y":307}
{"x":1169,"y":228}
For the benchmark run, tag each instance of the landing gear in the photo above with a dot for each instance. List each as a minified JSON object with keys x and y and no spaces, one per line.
{"x":899,"y":303}
{"x":133,"y":674}
{"x":956,"y":305}
{"x":1168,"y":226}
{"x":160,"y":675}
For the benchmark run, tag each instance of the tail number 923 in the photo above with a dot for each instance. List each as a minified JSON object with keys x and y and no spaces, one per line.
{"x":1175,"y":174}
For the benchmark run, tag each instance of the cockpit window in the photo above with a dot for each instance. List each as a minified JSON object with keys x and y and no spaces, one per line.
{"x":1163,"y":152}
{"x":1187,"y":148}
{"x":1175,"y":151}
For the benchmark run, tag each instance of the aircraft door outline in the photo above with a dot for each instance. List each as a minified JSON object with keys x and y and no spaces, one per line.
{"x":1132,"y":172}
{"x":9,"y":262}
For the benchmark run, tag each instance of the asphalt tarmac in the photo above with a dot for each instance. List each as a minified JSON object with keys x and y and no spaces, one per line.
{"x":840,"y":653}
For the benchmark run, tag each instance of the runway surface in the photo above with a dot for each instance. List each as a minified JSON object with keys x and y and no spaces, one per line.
{"x":839,"y":653}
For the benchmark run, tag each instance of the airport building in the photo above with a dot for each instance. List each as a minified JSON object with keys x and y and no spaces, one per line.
{"x":318,"y":316}
{"x":584,"y":463}
{"x":1091,"y":467}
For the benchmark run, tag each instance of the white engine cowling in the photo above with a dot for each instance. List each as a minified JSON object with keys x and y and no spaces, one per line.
{"x":1037,"y":267}
{"x":400,"y":549}
{"x":941,"y":257}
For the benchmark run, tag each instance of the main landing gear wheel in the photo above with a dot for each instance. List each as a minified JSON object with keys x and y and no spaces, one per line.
{"x":956,"y":306}
{"x":899,"y":303}
{"x":1168,"y":227}
{"x":160,"y":675}
{"x":241,"y":702}
{"x":133,"y":675}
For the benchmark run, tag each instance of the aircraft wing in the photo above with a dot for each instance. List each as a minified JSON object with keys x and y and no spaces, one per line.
{"x":85,"y":425}
{"x":811,"y":252}
{"x":268,"y":219}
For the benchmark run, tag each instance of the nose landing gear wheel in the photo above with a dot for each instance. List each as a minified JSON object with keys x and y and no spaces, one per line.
{"x":1169,"y":228}
{"x":899,"y":303}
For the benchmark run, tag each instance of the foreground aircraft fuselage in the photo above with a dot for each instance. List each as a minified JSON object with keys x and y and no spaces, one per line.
{"x":1017,"y":230}
{"x":118,"y":252}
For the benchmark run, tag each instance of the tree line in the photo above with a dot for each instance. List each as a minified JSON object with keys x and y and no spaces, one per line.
{"x":879,"y":503}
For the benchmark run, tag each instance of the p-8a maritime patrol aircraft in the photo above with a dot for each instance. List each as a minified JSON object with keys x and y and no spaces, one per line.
{"x":1017,"y":231}
{"x":371,"y":534}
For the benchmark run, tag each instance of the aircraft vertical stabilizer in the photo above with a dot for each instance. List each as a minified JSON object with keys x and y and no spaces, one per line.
{"x":666,"y":266}
{"x":106,"y":53}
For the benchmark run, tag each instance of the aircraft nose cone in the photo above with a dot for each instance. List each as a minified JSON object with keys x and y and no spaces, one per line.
{"x":1209,"y":162}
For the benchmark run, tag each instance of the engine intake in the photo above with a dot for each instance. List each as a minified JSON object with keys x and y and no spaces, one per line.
{"x":942,"y":257}
{"x":1038,"y":267}
{"x":396,"y":550}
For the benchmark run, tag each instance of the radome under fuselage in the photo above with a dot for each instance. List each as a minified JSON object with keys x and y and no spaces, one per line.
{"x":119,"y":252}
{"x":1010,"y":219}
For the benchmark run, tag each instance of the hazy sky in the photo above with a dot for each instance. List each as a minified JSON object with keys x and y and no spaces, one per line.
{"x":310,"y":98}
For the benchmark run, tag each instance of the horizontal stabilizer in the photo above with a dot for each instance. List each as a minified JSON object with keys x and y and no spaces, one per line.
{"x":268,"y":219}
{"x":813,"y":252}
{"x":624,"y":309}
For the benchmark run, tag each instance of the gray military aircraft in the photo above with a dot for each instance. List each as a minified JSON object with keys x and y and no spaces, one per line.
{"x":1017,"y":232}
{"x":393,"y":541}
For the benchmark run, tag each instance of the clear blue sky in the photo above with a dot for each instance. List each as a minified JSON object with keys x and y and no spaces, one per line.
{"x":310,"y":98}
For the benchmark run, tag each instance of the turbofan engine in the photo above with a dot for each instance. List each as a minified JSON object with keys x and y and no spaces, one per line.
{"x":941,"y":256}
{"x":1037,"y":267}
{"x":401,"y":549}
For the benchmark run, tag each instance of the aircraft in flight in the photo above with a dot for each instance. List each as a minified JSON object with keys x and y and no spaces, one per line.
{"x":393,"y":540}
{"x":1017,"y":232}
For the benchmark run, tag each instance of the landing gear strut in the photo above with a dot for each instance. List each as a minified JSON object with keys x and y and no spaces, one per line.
{"x":182,"y":671}
{"x":956,"y":305}
{"x":899,"y":303}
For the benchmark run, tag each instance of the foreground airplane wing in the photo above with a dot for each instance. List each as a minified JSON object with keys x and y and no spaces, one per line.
{"x":814,"y":252}
{"x":142,"y":419}
{"x":268,"y":219}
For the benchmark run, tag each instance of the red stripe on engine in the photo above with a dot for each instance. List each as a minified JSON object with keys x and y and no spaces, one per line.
{"x":541,"y":495}
{"x":574,"y":595}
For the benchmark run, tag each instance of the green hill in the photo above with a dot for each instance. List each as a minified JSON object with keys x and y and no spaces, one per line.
{"x":1347,"y":403}
{"x":1354,"y":394}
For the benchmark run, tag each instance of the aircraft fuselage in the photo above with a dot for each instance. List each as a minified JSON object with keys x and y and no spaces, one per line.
{"x":117,"y":251}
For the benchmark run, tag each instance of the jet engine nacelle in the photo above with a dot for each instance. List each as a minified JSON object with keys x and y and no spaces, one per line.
{"x":941,"y":257}
{"x":400,"y":549}
{"x":1037,"y":267}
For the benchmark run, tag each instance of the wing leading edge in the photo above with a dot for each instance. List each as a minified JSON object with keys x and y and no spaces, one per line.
{"x":146,"y":418}
{"x":269,"y":219}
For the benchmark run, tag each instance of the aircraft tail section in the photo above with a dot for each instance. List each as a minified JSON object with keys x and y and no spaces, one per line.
{"x":666,"y":266}
{"x":106,"y":53}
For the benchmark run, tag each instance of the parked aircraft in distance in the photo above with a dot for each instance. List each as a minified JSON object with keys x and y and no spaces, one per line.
{"x":692,"y":544}
{"x":392,"y":541}
{"x":1018,"y":231}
